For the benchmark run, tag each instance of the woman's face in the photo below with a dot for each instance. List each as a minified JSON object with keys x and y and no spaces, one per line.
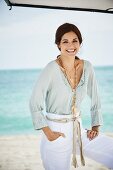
{"x":69,"y":44}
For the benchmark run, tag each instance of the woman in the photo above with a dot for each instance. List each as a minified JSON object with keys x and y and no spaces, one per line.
{"x":62,"y":86}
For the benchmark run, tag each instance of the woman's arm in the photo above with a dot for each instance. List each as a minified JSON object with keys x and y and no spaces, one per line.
{"x":38,"y":98}
{"x":37,"y":104}
{"x":96,"y":116}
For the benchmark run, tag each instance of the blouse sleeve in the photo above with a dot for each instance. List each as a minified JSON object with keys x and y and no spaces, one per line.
{"x":92,"y":91}
{"x":38,"y":96}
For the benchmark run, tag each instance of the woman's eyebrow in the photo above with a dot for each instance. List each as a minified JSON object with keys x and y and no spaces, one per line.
{"x":67,"y":39}
{"x":64,"y":39}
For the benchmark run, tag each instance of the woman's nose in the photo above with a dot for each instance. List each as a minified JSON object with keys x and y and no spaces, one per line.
{"x":70,"y":45}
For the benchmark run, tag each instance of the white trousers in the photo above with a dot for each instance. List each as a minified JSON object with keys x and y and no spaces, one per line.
{"x":56,"y":155}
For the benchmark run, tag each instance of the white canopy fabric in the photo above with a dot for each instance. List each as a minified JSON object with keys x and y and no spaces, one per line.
{"x":105,"y":6}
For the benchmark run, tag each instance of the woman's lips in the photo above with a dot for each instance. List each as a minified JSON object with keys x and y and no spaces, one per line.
{"x":70,"y":51}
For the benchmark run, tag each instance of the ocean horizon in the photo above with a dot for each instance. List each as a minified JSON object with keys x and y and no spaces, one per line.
{"x":16,"y":86}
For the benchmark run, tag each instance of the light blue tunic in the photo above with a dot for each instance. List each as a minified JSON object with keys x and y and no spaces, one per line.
{"x":54,"y":91}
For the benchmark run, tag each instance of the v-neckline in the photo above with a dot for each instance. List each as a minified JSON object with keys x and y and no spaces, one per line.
{"x":81,"y":81}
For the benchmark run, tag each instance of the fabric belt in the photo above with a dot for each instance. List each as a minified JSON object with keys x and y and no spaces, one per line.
{"x":76,"y":133}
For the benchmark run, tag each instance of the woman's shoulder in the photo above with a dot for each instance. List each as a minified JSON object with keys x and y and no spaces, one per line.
{"x":49,"y":64}
{"x":89,"y":68}
{"x":88,"y":64}
{"x":49,"y":67}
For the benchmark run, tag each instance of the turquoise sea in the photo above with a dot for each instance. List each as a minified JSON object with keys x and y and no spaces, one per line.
{"x":15,"y":91}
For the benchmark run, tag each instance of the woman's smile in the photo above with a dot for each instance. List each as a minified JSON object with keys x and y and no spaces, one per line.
{"x":71,"y":51}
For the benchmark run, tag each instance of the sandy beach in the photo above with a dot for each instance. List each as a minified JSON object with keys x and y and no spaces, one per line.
{"x":22,"y":152}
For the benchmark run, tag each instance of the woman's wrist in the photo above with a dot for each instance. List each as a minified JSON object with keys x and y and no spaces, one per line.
{"x":47,"y":131}
{"x":96,"y":128}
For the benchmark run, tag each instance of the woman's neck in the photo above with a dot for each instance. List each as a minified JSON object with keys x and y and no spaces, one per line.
{"x":67,"y":62}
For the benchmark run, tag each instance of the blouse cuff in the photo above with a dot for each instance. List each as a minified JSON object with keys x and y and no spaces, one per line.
{"x":97,"y":119}
{"x":39,"y":121}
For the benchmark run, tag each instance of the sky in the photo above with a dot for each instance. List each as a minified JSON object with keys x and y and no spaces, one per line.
{"x":27,"y":36}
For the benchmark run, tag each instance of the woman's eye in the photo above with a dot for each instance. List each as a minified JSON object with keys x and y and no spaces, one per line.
{"x":72,"y":42}
{"x":65,"y":42}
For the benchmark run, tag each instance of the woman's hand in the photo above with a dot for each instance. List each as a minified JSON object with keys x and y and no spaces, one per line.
{"x":51,"y":135}
{"x":55,"y":135}
{"x":94,"y":132}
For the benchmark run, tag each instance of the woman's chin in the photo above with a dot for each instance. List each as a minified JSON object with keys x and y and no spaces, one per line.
{"x":71,"y":54}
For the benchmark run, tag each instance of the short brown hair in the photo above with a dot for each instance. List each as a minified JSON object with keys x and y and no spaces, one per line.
{"x":65,"y":28}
